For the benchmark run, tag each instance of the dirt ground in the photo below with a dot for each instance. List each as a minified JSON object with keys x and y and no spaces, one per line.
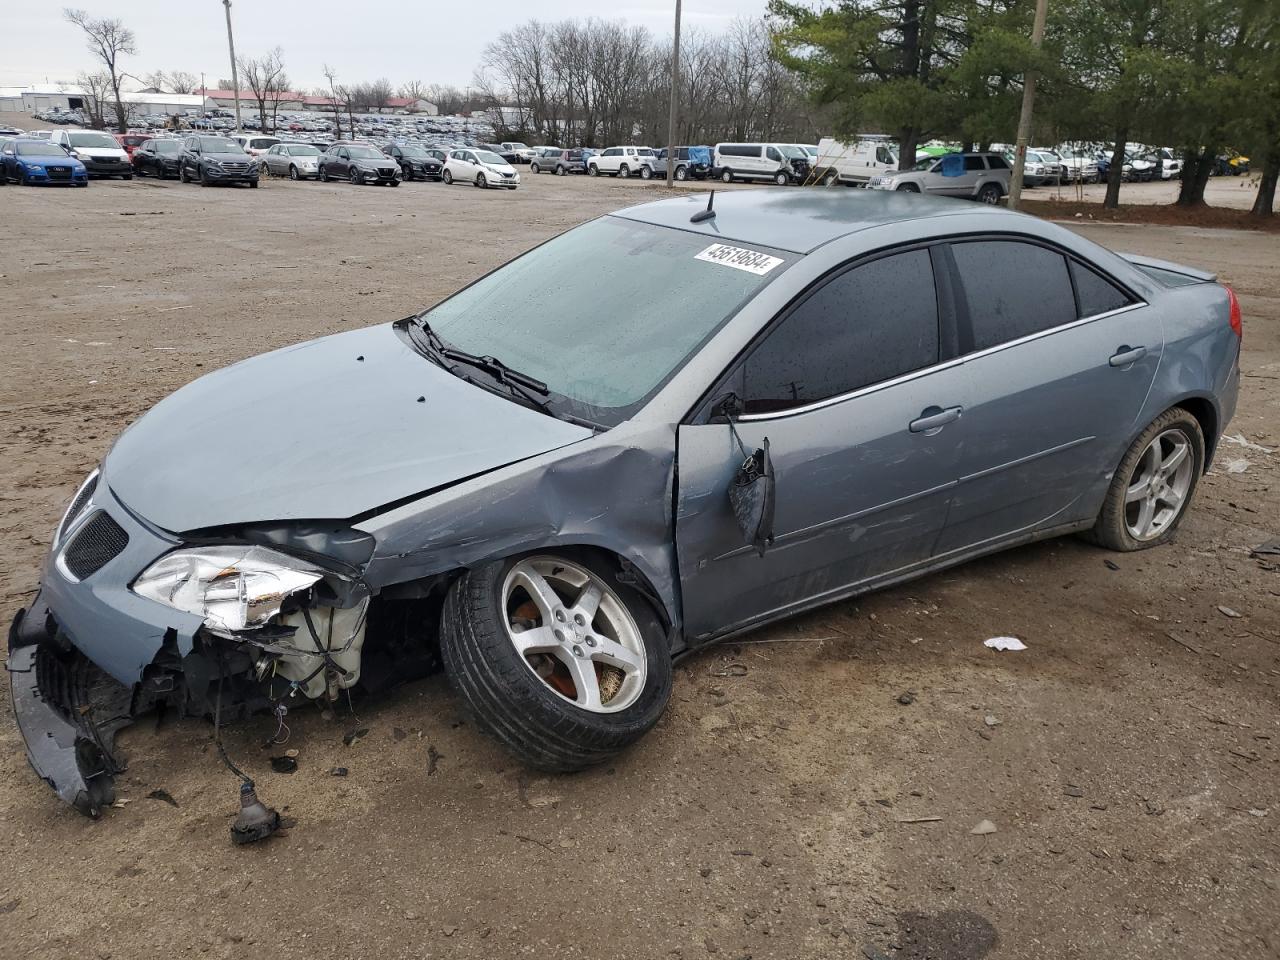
{"x":1133,"y":778}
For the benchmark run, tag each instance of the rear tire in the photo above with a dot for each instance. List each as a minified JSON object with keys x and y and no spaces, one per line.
{"x":447,"y":177}
{"x":1138,"y":512}
{"x":529,"y":701}
{"x":831,"y":179}
{"x":990,"y":194}
{"x":682,"y":173}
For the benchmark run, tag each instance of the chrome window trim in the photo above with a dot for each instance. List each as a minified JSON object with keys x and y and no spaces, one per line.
{"x":946,"y":364}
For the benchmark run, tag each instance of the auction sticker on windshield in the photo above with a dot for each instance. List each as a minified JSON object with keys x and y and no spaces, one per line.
{"x":739,"y":258}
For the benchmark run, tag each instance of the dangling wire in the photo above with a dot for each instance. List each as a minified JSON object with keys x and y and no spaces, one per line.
{"x":217,"y":729}
{"x":280,"y":711}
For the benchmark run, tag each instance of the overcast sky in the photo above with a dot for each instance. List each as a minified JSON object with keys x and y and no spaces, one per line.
{"x":427,"y":40}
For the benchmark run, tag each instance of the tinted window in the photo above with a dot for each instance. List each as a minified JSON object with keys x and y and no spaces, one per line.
{"x":773,"y":154}
{"x":1094,"y":294}
{"x":997,"y":163}
{"x":739,"y":150}
{"x":973,"y":163}
{"x":866,"y":325}
{"x":1012,"y":289}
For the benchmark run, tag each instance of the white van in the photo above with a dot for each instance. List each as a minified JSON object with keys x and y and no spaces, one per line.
{"x":759,"y":161}
{"x":855,"y":162}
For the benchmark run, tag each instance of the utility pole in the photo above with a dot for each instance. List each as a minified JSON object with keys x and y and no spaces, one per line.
{"x":1028,"y":104}
{"x":675,"y":100}
{"x":235,"y":80}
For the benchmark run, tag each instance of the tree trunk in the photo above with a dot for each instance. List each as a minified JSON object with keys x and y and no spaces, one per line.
{"x":908,"y":138}
{"x":1115,"y":172}
{"x":1264,"y":203}
{"x":1195,"y":177}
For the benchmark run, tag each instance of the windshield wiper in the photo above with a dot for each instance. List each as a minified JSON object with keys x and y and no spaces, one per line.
{"x":526,"y":388}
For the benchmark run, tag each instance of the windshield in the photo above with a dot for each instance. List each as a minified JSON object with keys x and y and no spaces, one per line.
{"x":924,"y":163}
{"x":303,"y":152}
{"x":263,"y":143}
{"x":792,"y":152}
{"x":485,"y":156}
{"x":602,"y":347}
{"x":90,"y":139}
{"x":516,"y":146}
{"x":365,"y":153}
{"x":219,"y":145}
{"x":412,"y":151}
{"x":166,"y":146}
{"x":37,"y":150}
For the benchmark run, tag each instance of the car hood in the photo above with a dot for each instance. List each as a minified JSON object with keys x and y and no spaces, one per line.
{"x":102,"y":153}
{"x":220,"y":157}
{"x":372,"y":163}
{"x":324,"y":430}
{"x":58,"y":157}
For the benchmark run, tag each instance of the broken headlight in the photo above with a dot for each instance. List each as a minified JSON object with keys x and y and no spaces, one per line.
{"x":234,"y":588}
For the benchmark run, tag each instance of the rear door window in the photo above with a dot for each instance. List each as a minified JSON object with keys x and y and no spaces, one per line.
{"x":1011,"y":289}
{"x":973,"y":163}
{"x":868,"y":324}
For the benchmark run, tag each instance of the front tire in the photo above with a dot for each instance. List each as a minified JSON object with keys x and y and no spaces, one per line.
{"x":624,"y":172}
{"x":781,"y":178}
{"x":354,"y":176}
{"x":909,"y":188}
{"x":593,"y":171}
{"x":293,"y":172}
{"x":555,"y":658}
{"x":726,"y":176}
{"x":481,"y":182}
{"x":1153,"y":485}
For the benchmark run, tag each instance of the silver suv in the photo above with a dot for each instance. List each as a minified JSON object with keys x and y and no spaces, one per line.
{"x":978,"y":176}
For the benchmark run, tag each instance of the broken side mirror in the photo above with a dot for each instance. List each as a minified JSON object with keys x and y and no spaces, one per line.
{"x":751,"y":495}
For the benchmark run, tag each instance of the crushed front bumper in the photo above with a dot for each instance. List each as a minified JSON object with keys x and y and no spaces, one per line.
{"x":68,"y":744}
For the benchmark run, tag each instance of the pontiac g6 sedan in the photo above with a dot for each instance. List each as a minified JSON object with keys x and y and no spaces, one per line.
{"x":665,"y":427}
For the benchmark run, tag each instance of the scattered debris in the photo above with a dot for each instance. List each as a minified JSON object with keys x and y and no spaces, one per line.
{"x":1111,"y":564}
{"x":1269,"y":549}
{"x":1228,"y":612}
{"x":164,"y":795}
{"x":353,"y":735}
{"x":1071,"y":790}
{"x":255,"y":821}
{"x":398,"y":734}
{"x":120,"y":804}
{"x":1239,"y":440}
{"x":991,"y":720}
{"x":284,"y":764}
{"x":434,"y":756}
{"x":731,"y":670}
{"x":1256,"y":812}
{"x":1004,"y":643}
{"x":919,"y":819}
{"x":338,"y":771}
{"x":1236,"y":466}
{"x":906,"y":698}
{"x":1183,"y":643}
{"x":983,"y":828}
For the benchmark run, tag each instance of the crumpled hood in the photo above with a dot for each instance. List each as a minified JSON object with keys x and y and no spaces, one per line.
{"x":327,"y":429}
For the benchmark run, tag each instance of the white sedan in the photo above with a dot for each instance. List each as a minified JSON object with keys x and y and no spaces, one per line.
{"x":480,"y":167}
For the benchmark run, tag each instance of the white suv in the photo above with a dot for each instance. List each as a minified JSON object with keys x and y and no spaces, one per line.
{"x":979,"y":176}
{"x":623,"y":162}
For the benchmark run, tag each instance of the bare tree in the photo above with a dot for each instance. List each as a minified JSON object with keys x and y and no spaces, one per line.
{"x":414,"y":91}
{"x":98,"y":86}
{"x":266,"y":80}
{"x":448,"y":99}
{"x":181,"y":82}
{"x":108,"y":40}
{"x":157,"y":79}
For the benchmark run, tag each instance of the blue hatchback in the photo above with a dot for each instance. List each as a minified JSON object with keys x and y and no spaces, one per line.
{"x":34,"y":161}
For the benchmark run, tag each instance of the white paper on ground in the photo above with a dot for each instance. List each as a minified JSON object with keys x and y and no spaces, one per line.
{"x":1004,"y":643}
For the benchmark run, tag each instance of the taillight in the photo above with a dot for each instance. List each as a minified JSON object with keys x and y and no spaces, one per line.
{"x":1233,"y":317}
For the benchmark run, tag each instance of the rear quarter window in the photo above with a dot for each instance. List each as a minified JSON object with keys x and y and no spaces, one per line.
{"x":1094,"y":293}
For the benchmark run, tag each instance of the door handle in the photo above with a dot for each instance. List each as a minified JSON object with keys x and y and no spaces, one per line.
{"x":1126,"y":355}
{"x":933,"y":419}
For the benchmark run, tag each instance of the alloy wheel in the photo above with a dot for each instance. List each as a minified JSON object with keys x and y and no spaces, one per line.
{"x":574,"y":633}
{"x":1158,"y":489}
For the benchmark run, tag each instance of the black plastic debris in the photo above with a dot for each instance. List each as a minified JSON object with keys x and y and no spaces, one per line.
{"x":353,"y":735}
{"x":161,"y":794}
{"x":1111,"y":564}
{"x":1269,"y":549}
{"x":255,"y":821}
{"x":434,"y":756}
{"x":284,"y":764}
{"x":338,"y":771}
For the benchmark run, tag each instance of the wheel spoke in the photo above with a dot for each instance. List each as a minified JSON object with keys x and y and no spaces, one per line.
{"x":537,"y":640}
{"x":589,"y":601}
{"x":1174,"y":460}
{"x":1145,"y":514}
{"x":1138,"y":491}
{"x":540,"y":592}
{"x":585,"y":682}
{"x":1171,"y":497}
{"x":616,"y":655}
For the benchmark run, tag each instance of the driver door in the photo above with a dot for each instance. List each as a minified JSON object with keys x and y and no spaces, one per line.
{"x":863,"y":428}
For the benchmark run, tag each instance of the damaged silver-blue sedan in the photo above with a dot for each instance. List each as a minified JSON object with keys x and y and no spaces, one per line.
{"x":665,"y":427}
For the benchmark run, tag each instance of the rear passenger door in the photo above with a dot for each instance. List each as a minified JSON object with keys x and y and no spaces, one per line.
{"x":861,"y":433}
{"x":1059,"y":361}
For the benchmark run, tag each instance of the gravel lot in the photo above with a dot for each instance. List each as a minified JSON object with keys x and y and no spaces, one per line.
{"x":1132,"y":778}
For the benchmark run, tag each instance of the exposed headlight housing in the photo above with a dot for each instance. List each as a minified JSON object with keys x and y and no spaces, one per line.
{"x":234,"y":588}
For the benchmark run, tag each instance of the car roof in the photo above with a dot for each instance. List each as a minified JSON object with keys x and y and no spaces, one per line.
{"x":800,"y":220}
